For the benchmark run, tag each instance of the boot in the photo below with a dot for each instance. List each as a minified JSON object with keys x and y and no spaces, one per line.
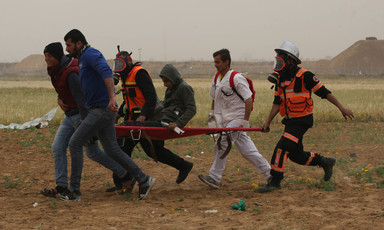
{"x":273,"y":184}
{"x":327,"y":164}
{"x":117,"y":182}
{"x":183,"y":173}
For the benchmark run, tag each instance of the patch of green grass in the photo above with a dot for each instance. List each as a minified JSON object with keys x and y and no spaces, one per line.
{"x":8,"y":183}
{"x":53,"y":129}
{"x":321,"y":184}
{"x":380,"y":184}
{"x":107,"y":184}
{"x":257,"y":210}
{"x":247,"y":178}
{"x":52,"y":203}
{"x":380,"y":171}
{"x":363,"y":174}
{"x":343,"y":163}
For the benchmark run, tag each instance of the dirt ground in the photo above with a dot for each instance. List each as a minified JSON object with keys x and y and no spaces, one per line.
{"x":349,"y":201}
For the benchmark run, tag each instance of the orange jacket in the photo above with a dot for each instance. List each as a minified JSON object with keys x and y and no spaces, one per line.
{"x":133,"y":97}
{"x":294,"y":104}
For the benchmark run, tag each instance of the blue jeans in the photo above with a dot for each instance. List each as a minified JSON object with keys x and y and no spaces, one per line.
{"x":59,"y":149}
{"x":99,"y":122}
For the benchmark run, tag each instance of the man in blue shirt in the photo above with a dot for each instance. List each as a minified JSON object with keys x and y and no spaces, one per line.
{"x":99,"y":92}
{"x":63,"y":72}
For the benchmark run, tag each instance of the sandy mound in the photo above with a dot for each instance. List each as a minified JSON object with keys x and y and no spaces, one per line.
{"x":365,"y":57}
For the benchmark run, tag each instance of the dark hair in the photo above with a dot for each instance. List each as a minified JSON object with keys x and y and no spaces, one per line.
{"x":75,"y":35}
{"x":224,"y":55}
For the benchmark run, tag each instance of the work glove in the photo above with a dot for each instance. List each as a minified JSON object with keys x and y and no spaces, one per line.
{"x":244,"y":123}
{"x":211,"y":120}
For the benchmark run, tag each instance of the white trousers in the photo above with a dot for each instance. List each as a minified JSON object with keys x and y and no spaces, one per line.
{"x":247,"y":149}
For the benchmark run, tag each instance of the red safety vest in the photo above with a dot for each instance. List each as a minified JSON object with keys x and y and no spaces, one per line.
{"x":295,"y":104}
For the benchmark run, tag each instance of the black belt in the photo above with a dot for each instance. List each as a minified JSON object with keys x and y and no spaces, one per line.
{"x":98,"y":107}
{"x":72,"y":112}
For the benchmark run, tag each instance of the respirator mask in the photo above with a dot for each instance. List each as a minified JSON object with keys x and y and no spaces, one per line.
{"x":274,"y":78}
{"x":121,"y":65}
{"x":281,"y":63}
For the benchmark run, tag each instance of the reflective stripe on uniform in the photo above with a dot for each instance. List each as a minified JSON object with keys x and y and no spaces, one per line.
{"x":291,"y":137}
{"x":280,"y":159}
{"x":310,"y":158}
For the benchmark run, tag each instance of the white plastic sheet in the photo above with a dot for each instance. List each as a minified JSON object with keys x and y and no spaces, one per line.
{"x":41,"y":122}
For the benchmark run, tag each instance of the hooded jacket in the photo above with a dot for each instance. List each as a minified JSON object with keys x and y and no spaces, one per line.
{"x":179,"y":101}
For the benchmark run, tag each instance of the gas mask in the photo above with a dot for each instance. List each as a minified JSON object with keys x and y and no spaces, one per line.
{"x":281,"y":63}
{"x":121,"y":65}
{"x":274,"y":77}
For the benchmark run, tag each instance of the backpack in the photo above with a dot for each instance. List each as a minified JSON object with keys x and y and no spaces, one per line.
{"x":232,"y":85}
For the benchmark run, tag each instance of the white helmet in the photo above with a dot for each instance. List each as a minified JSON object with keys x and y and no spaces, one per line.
{"x":291,"y":49}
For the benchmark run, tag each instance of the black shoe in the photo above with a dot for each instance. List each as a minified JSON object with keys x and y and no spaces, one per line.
{"x":183,"y":173}
{"x":273,"y":184}
{"x":117,"y":182}
{"x":327,"y":164}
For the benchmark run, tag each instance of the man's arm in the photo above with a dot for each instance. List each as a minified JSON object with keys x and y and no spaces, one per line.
{"x":111,"y":93}
{"x":74,"y":86}
{"x":313,"y":84}
{"x":344,"y":111}
{"x":275,"y":109}
{"x":145,"y":84}
{"x":188,"y":97}
{"x":248,"y":108}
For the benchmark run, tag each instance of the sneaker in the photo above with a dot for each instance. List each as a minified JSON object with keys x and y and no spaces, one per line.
{"x":145,"y":188}
{"x":209,"y":181}
{"x":127,"y":187}
{"x":183,"y":173}
{"x":327,"y":164}
{"x":273,"y":184}
{"x":71,"y":196}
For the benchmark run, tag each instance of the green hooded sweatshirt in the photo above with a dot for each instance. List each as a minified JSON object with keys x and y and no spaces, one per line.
{"x":179,"y":101}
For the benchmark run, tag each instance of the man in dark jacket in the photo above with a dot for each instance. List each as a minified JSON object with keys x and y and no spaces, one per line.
{"x":179,"y":101}
{"x":178,"y":110}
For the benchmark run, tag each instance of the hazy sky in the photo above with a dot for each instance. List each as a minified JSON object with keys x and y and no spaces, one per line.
{"x":178,"y":30}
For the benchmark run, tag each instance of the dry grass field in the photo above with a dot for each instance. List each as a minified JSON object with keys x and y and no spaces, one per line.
{"x":363,"y":95}
{"x":353,"y":199}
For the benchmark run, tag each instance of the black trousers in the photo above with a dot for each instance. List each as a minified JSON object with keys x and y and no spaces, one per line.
{"x":163,"y":155}
{"x":291,"y":146}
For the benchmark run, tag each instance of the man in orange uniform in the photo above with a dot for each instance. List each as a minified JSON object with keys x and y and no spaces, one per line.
{"x":293,"y":88}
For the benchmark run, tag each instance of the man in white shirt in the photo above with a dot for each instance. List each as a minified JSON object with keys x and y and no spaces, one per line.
{"x":231,"y":107}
